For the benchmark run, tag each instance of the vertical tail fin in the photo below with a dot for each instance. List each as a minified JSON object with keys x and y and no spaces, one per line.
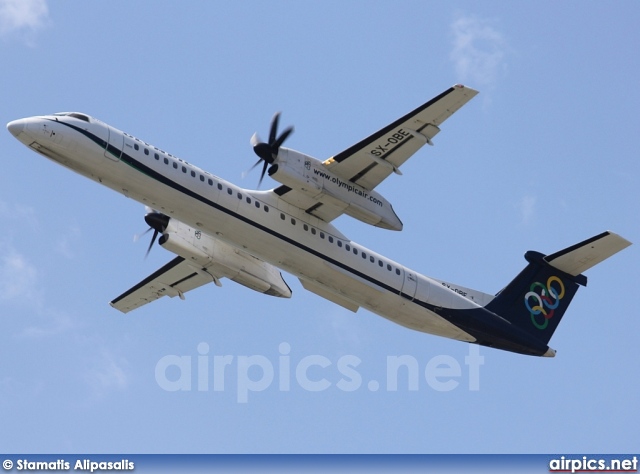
{"x":537,"y":298}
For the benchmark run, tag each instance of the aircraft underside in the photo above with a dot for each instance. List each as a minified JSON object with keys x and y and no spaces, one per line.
{"x":219,"y":230}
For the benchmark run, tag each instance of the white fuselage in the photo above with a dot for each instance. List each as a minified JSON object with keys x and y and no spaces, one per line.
{"x":258,"y":222}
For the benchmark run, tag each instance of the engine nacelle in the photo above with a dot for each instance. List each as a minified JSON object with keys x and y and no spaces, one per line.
{"x":308,"y":175}
{"x":223,"y":260}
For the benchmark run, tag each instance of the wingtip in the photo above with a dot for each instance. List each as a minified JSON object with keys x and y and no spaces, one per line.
{"x":467,"y":89}
{"x":623,"y":241}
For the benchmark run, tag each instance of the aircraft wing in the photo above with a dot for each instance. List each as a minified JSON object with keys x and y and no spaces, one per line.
{"x":372,"y":160}
{"x":174,"y":279}
{"x":395,"y":143}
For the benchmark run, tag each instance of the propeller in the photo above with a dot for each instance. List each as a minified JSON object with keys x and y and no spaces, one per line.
{"x":268,"y":152}
{"x":157,"y":222}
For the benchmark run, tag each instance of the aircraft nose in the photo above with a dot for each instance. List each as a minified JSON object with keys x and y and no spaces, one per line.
{"x":16,"y":127}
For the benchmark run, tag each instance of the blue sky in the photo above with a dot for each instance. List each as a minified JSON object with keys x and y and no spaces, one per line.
{"x":544,"y":157}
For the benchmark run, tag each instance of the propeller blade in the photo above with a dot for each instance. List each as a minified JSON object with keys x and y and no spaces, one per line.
{"x":278,"y":143}
{"x":137,"y":237}
{"x":245,"y":173}
{"x":274,"y":127}
{"x":264,"y":170}
{"x":153,"y":239}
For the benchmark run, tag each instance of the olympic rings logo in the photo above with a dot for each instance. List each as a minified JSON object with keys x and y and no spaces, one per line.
{"x":545,"y":300}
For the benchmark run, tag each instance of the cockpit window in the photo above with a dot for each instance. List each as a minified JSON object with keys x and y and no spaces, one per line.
{"x":79,"y":116}
{"x":74,"y":115}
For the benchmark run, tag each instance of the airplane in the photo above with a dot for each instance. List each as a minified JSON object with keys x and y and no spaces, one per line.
{"x":220,"y":230}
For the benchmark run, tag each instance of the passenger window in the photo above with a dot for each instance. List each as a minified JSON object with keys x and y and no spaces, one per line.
{"x":330,"y":239}
{"x":193,"y":174}
{"x":219,"y":186}
{"x":388,"y":267}
{"x":266,"y":208}
{"x":313,"y":231}
{"x":380,"y":264}
{"x":372,"y":260}
{"x":175,"y":165}
{"x":202,"y":178}
{"x":146,"y":151}
{"x":248,"y":200}
{"x":239,"y":195}
{"x":339,"y":243}
{"x":135,"y":146}
{"x":347,"y":247}
{"x":281,"y":216}
{"x":184,"y":169}
{"x":355,"y":251}
{"x":257,"y":203}
{"x":166,"y":161}
{"x":210,"y":181}
{"x":229,"y":191}
{"x":306,"y":227}
{"x":156,"y":156}
{"x":293,"y":221}
{"x":322,"y":235}
{"x":397,"y":271}
{"x":364,"y":255}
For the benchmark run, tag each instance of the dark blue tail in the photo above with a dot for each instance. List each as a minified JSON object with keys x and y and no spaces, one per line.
{"x":537,"y":298}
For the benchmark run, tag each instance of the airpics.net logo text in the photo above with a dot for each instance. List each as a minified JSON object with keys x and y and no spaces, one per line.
{"x":313,"y":373}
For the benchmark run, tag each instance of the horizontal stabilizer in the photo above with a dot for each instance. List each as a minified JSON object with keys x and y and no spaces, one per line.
{"x":580,"y":257}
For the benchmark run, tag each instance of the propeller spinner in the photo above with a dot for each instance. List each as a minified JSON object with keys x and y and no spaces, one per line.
{"x":156,"y":221}
{"x":268,"y":152}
